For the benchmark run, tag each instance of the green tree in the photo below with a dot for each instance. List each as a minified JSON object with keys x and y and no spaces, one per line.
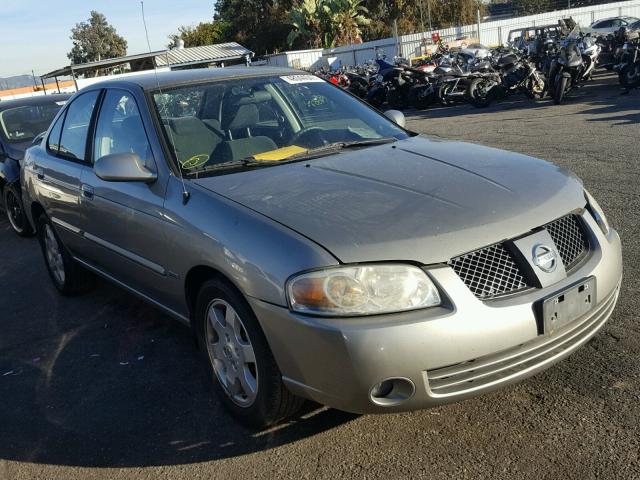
{"x":327,"y":23}
{"x":95,"y":40}
{"x":205,"y":33}
{"x":531,"y":7}
{"x":345,"y":18}
{"x":261,"y":25}
{"x":307,"y":25}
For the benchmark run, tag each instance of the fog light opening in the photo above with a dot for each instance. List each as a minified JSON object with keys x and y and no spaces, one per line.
{"x":392,"y":391}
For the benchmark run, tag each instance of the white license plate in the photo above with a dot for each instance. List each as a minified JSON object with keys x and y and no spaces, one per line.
{"x":572,"y":303}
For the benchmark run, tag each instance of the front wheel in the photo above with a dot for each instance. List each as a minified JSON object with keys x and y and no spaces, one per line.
{"x":444,"y":92}
{"x":560,"y":89}
{"x":15,"y":212}
{"x":68,"y":276}
{"x":479,"y":92}
{"x":244,"y":372}
{"x":630,"y":75}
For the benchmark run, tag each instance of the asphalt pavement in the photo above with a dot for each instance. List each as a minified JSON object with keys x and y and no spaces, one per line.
{"x":104,"y":386}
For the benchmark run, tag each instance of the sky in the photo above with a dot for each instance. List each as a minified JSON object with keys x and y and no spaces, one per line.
{"x":35,"y":33}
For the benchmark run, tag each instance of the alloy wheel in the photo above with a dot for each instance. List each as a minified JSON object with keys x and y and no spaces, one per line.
{"x":53,"y":255}
{"x":14,"y":211}
{"x":231,"y":353}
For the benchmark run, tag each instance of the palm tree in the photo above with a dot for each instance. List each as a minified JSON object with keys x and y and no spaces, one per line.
{"x":306,"y":23}
{"x":345,"y":19}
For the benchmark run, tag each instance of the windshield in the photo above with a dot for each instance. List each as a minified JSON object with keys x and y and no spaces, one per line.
{"x":264,"y":121}
{"x":24,"y":123}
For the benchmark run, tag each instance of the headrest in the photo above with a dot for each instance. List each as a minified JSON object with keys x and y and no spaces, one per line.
{"x":256,"y":97}
{"x":246,"y":116}
{"x":186,"y":125}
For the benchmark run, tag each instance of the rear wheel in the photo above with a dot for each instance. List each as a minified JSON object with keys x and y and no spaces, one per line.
{"x":443,"y":94}
{"x":560,"y":88}
{"x":479,"y":92}
{"x":245,"y":375}
{"x":15,"y":212}
{"x":69,"y":277}
{"x":630,"y":75}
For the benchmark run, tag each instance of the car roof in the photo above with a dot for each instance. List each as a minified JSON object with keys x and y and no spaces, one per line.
{"x":623,"y":17}
{"x":37,"y":100}
{"x":151,"y":81}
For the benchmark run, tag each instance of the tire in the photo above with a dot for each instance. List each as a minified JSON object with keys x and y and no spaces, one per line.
{"x":68,"y":276}
{"x":421,"y":97}
{"x":397,"y":99}
{"x":476,"y":94}
{"x":14,"y":209}
{"x":443,"y":91}
{"x":559,"y":89}
{"x":262,"y":400}
{"x":630,"y":75}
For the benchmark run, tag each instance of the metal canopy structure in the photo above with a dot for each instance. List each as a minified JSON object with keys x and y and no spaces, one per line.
{"x":174,"y":58}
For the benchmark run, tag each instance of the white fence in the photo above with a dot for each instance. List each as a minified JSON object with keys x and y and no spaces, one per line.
{"x":491,"y":33}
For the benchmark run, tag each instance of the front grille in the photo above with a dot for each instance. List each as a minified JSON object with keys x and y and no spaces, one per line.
{"x":492,"y":271}
{"x":569,"y":238}
{"x":489,"y":271}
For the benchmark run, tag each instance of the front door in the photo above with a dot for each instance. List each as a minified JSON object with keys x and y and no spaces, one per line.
{"x":123,"y":222}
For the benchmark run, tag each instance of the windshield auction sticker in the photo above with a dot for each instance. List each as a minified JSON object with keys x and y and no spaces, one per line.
{"x":295,"y":79}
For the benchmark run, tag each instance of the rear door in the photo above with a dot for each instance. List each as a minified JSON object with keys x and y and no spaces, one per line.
{"x":123,"y":221}
{"x":57,"y":169}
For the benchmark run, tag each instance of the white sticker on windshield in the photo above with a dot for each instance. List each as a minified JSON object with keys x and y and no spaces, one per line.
{"x":295,"y":79}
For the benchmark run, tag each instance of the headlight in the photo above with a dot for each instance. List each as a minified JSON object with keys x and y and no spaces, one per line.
{"x":362,"y":290}
{"x":597,"y":213}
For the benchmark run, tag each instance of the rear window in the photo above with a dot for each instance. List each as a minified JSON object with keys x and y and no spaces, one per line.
{"x":24,"y":123}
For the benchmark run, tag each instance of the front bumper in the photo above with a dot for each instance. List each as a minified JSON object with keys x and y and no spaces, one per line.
{"x":447,"y":353}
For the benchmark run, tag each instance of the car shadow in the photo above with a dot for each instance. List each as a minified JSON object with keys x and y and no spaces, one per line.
{"x":103,"y":380}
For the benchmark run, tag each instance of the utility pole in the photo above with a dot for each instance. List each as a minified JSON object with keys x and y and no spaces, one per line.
{"x":478,"y":18}
{"x":429,"y":14}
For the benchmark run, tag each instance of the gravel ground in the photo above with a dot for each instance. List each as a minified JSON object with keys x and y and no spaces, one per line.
{"x":103,"y":386}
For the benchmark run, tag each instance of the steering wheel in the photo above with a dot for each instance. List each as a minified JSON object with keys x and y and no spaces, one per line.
{"x":310,"y":137}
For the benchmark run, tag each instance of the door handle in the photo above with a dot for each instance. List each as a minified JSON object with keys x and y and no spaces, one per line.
{"x":87,"y":191}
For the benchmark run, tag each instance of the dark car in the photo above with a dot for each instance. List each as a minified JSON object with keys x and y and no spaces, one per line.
{"x":21,"y":121}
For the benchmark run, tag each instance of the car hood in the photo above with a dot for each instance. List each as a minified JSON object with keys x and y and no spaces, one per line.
{"x":419,"y":199}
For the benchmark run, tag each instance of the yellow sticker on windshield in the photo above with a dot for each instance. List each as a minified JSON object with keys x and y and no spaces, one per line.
{"x":195,"y":161}
{"x":280,"y":153}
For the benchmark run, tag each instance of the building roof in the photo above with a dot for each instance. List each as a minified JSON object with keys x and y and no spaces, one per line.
{"x":175,"y":57}
{"x":205,"y":54}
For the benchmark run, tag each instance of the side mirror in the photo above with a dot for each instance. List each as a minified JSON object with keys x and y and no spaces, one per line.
{"x":396,"y":116}
{"x":123,"y":167}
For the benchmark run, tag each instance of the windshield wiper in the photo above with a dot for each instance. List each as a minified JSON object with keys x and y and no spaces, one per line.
{"x":332,"y":147}
{"x":306,"y":155}
{"x":230,"y":165}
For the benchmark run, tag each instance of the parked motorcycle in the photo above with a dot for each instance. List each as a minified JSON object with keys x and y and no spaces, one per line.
{"x":512,"y":72}
{"x":628,"y":67}
{"x":574,"y":64}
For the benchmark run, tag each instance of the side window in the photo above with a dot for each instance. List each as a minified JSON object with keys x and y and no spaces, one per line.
{"x":73,"y":141}
{"x":53,"y":142}
{"x":120,"y":128}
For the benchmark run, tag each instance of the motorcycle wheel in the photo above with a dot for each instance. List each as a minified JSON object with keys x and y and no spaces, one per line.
{"x":630,"y":75}
{"x":377,"y":99}
{"x":477,"y":93}
{"x":397,"y":99}
{"x":560,"y":87}
{"x":421,"y":97}
{"x":443,"y":94}
{"x":537,"y":90}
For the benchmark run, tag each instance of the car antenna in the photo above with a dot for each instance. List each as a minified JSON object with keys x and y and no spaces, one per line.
{"x":185,"y":194}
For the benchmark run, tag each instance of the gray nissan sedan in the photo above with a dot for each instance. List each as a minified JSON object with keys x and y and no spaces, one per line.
{"x":317,"y":248}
